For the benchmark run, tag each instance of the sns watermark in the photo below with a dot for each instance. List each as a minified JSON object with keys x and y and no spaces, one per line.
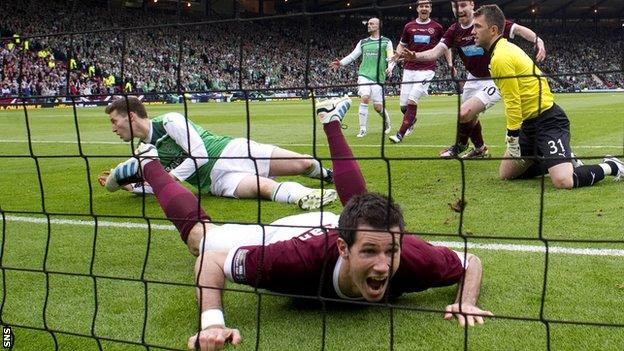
{"x":7,"y":338}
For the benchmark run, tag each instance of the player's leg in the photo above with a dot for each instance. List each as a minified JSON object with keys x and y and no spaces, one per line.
{"x":554,"y":143}
{"x":513,"y":168}
{"x":180,"y":205}
{"x":285,"y":162}
{"x":246,"y":185}
{"x":377,"y":96}
{"x":410,"y":95}
{"x":364,"y":92}
{"x":488,"y":95}
{"x":473,"y":103}
{"x":347,"y":174}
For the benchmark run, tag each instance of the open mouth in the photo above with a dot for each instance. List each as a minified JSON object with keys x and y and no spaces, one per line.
{"x":376,"y":283}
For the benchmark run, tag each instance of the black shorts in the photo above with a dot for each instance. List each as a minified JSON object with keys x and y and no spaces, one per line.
{"x":546,"y":138}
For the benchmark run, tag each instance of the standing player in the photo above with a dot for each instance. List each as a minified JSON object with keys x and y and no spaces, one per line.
{"x":220,"y":165}
{"x":421,"y":34}
{"x":480,"y":92}
{"x":536,"y":126}
{"x":375,"y":50}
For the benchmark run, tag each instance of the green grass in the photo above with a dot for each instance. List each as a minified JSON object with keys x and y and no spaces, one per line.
{"x":130,"y":268}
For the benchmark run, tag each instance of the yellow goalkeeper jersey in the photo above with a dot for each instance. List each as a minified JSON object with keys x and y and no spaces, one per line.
{"x":520,"y":92}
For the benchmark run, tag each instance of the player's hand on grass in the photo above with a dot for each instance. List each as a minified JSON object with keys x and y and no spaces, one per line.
{"x":513,"y":146}
{"x":104,"y":176}
{"x":335,"y":65}
{"x":468,"y":313}
{"x":214,"y":338}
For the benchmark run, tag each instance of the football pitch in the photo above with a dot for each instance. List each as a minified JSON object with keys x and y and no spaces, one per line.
{"x":84,"y":269}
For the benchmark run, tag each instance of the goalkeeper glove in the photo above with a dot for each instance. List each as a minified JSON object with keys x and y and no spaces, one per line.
{"x":513,"y":143}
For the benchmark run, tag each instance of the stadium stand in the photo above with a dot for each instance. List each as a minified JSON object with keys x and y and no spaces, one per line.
{"x":277,"y":60}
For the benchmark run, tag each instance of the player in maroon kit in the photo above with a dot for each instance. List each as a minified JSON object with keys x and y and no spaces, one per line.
{"x":421,"y":34}
{"x":366,"y":259}
{"x":479,"y":92}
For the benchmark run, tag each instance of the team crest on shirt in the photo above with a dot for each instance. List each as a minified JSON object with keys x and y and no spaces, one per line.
{"x":431,"y":30}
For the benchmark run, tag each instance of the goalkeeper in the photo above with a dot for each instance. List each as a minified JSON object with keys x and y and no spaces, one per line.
{"x":537,"y":128}
{"x":220,"y":165}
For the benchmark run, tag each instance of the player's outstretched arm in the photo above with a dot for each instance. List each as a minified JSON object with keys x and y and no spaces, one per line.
{"x":465,"y":307}
{"x":211,"y":281}
{"x":354,"y":55}
{"x":530,"y":35}
{"x":428,"y":55}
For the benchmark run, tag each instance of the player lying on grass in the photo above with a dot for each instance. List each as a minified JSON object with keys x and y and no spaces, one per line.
{"x":536,"y":126}
{"x":215,"y":164}
{"x":361,"y":255}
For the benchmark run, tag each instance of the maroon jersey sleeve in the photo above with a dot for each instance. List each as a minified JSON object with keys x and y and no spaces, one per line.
{"x":507,"y":31}
{"x":448,"y":38}
{"x":405,"y":36}
{"x":425,"y":266}
{"x":296,"y":266}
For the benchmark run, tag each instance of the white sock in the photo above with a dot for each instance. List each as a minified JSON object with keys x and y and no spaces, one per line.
{"x":386,"y":116}
{"x":606,"y":168}
{"x":363,"y":116}
{"x":289,"y":192}
{"x":316,"y":171}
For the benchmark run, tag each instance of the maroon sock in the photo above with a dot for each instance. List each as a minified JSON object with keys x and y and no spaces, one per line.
{"x":409,"y":118}
{"x":347,"y":174}
{"x":180,"y":205}
{"x":476,"y":136}
{"x":463,"y":132}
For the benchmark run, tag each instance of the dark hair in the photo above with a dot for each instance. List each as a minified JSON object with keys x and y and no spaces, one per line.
{"x":125,"y":105}
{"x":493,"y":15}
{"x":376,"y":210}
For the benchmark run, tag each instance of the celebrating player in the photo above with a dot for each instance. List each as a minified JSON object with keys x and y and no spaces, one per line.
{"x":362,"y":255}
{"x":421,"y":34}
{"x":375,"y":50}
{"x":536,"y":126}
{"x":479,"y":92}
{"x":217,"y":164}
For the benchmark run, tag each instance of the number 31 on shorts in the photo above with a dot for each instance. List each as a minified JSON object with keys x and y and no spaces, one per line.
{"x":555,"y":145}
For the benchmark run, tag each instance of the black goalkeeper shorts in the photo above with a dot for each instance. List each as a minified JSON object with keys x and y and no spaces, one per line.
{"x":546,"y":138}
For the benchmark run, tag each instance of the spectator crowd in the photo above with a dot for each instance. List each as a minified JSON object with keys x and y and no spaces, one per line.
{"x":162,"y":54}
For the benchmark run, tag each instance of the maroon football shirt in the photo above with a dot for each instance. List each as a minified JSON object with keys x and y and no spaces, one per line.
{"x":474,"y":58}
{"x":419,"y":37}
{"x":305,"y":265}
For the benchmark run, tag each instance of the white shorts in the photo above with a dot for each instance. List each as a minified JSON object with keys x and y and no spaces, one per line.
{"x":419,"y":86}
{"x":370,"y":88}
{"x":227,"y":173}
{"x":484,"y":90}
{"x":233,"y":236}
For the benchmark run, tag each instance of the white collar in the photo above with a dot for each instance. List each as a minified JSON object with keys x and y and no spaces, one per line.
{"x":149,"y":134}
{"x":337,"y":286}
{"x":419,"y":22}
{"x":468,"y":26}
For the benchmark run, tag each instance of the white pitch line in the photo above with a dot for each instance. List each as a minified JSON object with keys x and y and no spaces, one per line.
{"x":451,"y":244}
{"x":532,"y":248}
{"x":298,"y":145}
